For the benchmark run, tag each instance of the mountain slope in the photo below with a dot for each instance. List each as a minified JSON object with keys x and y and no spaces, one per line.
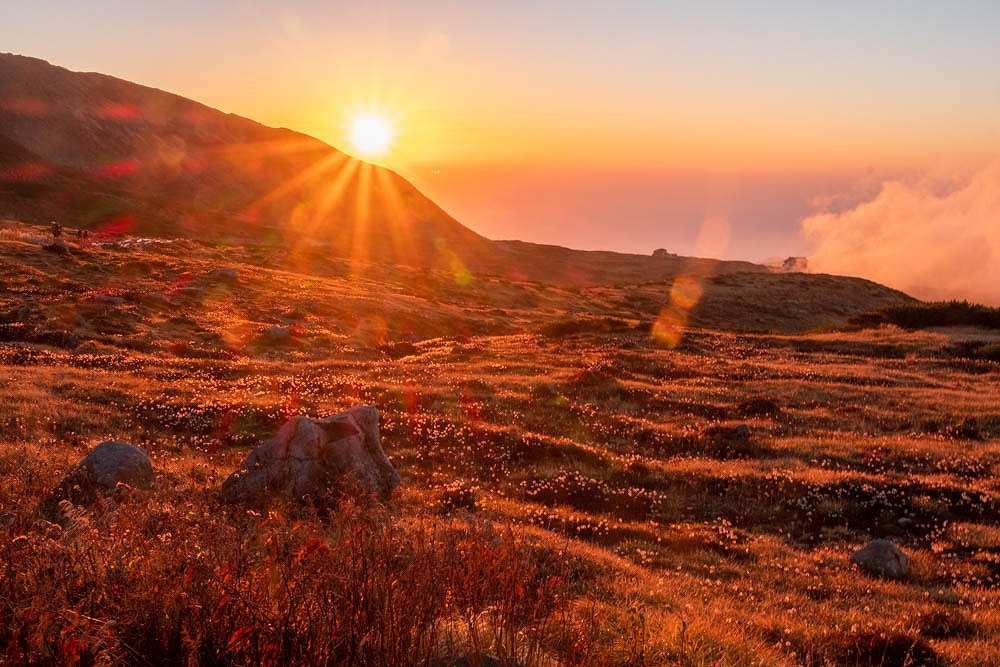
{"x":98,"y":152}
{"x":172,"y":166}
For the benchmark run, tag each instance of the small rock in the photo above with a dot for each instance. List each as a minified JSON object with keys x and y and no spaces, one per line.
{"x":737,"y":433}
{"x":188,"y":292}
{"x":108,"y":299}
{"x":759,"y":407}
{"x":314,"y":457}
{"x":224,"y":275}
{"x":906,"y":523}
{"x":99,"y":472}
{"x":399,"y":349}
{"x":275,"y":335}
{"x":58,"y":248}
{"x":184,"y":320}
{"x":882,"y":558}
{"x":19,"y":314}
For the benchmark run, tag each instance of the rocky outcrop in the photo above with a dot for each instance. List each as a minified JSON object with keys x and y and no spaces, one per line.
{"x":315,"y":458}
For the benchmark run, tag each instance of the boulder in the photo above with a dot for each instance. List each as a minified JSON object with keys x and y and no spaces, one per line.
{"x":315,"y":458}
{"x":99,"y":472}
{"x":882,"y":558}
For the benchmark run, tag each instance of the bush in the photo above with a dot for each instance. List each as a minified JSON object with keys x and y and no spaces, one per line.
{"x":155,"y":582}
{"x":932,"y":314}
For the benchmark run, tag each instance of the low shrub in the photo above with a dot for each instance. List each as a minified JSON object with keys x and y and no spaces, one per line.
{"x":932,"y":314}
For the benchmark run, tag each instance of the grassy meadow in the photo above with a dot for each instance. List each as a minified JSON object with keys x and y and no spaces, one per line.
{"x":592,"y":475}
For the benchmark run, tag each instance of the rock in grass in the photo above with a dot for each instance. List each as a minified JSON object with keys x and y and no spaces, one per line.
{"x":99,"y":472}
{"x":224,"y":275}
{"x":759,"y":407}
{"x":882,"y":558}
{"x":275,"y":335}
{"x":315,"y":458}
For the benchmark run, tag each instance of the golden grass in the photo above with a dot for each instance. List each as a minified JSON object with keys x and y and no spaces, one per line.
{"x":571,"y":495}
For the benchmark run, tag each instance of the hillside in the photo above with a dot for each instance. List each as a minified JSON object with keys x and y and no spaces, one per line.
{"x":115,"y":150}
{"x":98,"y":152}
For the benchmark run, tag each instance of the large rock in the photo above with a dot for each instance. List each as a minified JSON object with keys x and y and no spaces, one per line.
{"x":882,"y":558}
{"x":315,"y":457}
{"x":99,"y":472}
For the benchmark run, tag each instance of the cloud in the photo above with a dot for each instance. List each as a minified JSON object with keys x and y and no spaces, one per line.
{"x":934,"y":237}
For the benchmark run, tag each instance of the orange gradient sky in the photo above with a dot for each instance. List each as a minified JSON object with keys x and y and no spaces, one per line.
{"x":599,"y":125}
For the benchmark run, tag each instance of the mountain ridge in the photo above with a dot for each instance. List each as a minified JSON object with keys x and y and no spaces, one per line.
{"x":95,"y":151}
{"x":175,"y":158}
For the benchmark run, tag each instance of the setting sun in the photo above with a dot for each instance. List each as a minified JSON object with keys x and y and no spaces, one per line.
{"x":500,"y":333}
{"x":371,"y":136}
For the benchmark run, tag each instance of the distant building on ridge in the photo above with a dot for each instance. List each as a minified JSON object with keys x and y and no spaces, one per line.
{"x":795,"y":265}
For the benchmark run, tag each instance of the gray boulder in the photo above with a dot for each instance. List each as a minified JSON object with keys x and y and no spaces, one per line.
{"x":315,"y":458}
{"x":99,"y":472}
{"x":882,"y":558}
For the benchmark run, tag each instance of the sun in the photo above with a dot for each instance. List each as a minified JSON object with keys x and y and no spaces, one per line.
{"x":371,"y":136}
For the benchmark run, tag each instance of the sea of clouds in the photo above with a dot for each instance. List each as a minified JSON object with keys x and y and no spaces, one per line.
{"x":936,"y":236}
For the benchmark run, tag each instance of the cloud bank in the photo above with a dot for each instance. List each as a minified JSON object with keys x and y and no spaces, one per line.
{"x":934,"y":238}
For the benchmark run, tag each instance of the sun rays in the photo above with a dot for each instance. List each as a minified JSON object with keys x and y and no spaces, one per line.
{"x":349,"y":207}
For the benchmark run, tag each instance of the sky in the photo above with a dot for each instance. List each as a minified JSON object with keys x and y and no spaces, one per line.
{"x":614,"y":125}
